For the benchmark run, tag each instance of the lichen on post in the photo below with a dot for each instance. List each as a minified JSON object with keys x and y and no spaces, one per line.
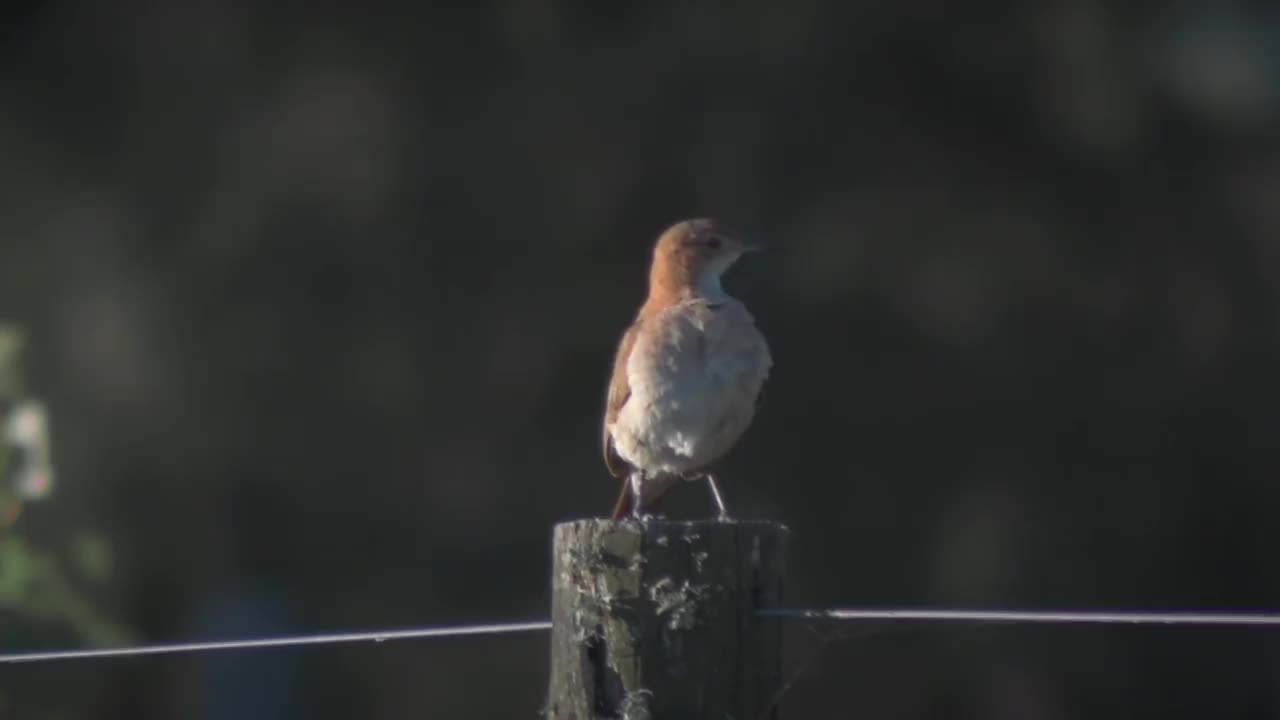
{"x":658,"y":620}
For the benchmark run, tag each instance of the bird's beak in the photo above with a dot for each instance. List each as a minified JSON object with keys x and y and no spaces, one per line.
{"x":744,"y":245}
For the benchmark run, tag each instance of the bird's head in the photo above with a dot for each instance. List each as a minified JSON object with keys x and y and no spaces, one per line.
{"x":691,"y":255}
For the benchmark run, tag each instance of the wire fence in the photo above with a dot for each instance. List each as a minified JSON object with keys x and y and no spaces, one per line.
{"x":376,"y":636}
{"x":865,"y":615}
{"x":1038,"y":617}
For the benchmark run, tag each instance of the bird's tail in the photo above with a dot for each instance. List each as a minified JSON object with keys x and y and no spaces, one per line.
{"x":622,"y":507}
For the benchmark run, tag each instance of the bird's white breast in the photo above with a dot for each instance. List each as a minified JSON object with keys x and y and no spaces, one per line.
{"x":694,"y":373}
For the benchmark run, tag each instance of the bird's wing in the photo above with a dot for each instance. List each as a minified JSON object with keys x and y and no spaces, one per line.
{"x":619,"y":391}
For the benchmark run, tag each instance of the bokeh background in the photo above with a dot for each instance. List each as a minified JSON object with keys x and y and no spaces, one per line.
{"x":322,"y":302}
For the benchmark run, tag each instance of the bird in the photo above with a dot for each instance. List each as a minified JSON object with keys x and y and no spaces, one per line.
{"x":688,"y":374}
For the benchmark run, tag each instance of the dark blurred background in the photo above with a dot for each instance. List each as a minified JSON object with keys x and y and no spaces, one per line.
{"x":322,"y":306}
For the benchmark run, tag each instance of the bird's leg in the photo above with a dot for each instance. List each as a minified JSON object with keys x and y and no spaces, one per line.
{"x":635,"y":479}
{"x":722,"y":513}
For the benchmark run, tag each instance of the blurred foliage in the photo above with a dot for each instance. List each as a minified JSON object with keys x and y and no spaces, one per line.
{"x":50,"y":589}
{"x":11,"y":346}
{"x":41,"y":587}
{"x":10,"y":503}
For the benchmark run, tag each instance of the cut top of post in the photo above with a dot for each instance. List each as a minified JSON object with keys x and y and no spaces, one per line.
{"x":658,"y":618}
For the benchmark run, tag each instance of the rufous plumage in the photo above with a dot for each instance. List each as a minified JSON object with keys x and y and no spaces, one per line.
{"x":688,"y":372}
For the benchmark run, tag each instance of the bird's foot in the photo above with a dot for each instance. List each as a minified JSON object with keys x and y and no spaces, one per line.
{"x":645,"y":517}
{"x":637,"y":510}
{"x":722,"y":513}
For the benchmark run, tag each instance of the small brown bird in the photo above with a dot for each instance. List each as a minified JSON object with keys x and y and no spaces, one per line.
{"x":688,"y":373}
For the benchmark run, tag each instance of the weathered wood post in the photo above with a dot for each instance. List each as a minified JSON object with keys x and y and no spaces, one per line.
{"x":657,"y":620}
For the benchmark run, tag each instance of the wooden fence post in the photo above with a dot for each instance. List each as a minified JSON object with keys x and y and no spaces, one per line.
{"x":657,"y":620}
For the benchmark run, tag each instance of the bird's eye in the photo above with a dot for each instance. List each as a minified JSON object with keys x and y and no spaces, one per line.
{"x":713,"y":242}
